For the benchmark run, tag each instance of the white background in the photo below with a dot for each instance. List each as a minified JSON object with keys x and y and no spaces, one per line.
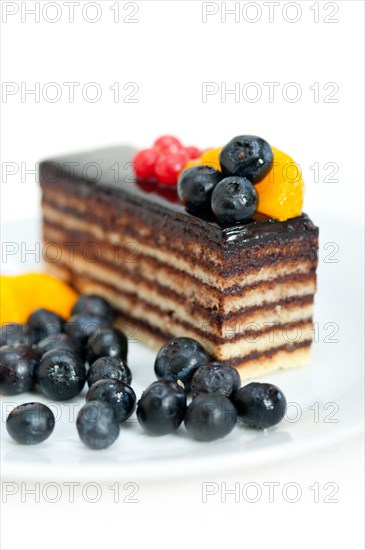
{"x":169,"y":53}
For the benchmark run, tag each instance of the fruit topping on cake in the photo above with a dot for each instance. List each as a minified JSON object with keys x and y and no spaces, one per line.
{"x":247,"y":156}
{"x":281,"y":191}
{"x":233,"y":183}
{"x":196,"y":185}
{"x":164,"y":160}
{"x":234,"y":200}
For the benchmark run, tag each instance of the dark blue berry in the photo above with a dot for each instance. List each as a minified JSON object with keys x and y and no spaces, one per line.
{"x":248,"y":156}
{"x":16,"y":333}
{"x":44,"y":322}
{"x":97,"y":425}
{"x":260,"y":405}
{"x":234,"y":200}
{"x":107,"y":342}
{"x":59,"y":341}
{"x":30,"y":423}
{"x":61,"y":374}
{"x":96,"y":306}
{"x":179,"y":359}
{"x":216,"y":378}
{"x":82,"y":326}
{"x":210,"y":416}
{"x":109,"y":367}
{"x":116,"y":393}
{"x":17,"y":368}
{"x":162,"y":407}
{"x":195,"y":186}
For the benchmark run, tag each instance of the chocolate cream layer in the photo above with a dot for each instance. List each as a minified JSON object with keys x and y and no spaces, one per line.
{"x":242,"y":290}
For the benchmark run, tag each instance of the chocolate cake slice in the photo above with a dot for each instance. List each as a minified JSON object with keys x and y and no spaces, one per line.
{"x":245,"y":292}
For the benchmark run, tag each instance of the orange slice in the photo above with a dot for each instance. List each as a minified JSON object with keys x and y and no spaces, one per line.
{"x":211,"y":158}
{"x":281,"y":192}
{"x":22,"y":294}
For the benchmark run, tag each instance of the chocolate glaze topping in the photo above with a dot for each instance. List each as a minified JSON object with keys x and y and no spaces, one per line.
{"x":110,"y":170}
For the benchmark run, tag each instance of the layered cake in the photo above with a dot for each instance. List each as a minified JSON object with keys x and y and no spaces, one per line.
{"x":240,"y":283}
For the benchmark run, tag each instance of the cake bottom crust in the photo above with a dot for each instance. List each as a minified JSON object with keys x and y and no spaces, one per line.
{"x":259,"y":366}
{"x":262,"y":363}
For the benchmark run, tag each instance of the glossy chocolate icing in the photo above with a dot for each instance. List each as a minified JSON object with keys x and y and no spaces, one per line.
{"x":111,"y":170}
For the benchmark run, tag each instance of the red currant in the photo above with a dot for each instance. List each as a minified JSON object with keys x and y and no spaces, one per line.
{"x":169,"y":166}
{"x":167,"y":144}
{"x":192,"y":152}
{"x":144,"y":163}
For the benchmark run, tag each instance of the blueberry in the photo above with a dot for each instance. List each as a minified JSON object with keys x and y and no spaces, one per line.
{"x":61,"y":374}
{"x":162,"y":407}
{"x":97,"y":425}
{"x":260,"y":405}
{"x":82,"y":326}
{"x":179,"y":359}
{"x":44,"y":322}
{"x":210,"y":416}
{"x":216,"y":378}
{"x":109,"y":367}
{"x":59,"y":341}
{"x":30,"y":423}
{"x":116,"y":393}
{"x":107,"y":342}
{"x":248,"y":156}
{"x":234,"y":200}
{"x":96,"y":306}
{"x":17,"y":368}
{"x":195,"y":186}
{"x":16,"y":333}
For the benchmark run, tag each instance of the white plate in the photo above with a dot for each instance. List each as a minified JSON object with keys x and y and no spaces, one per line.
{"x":325,"y":399}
